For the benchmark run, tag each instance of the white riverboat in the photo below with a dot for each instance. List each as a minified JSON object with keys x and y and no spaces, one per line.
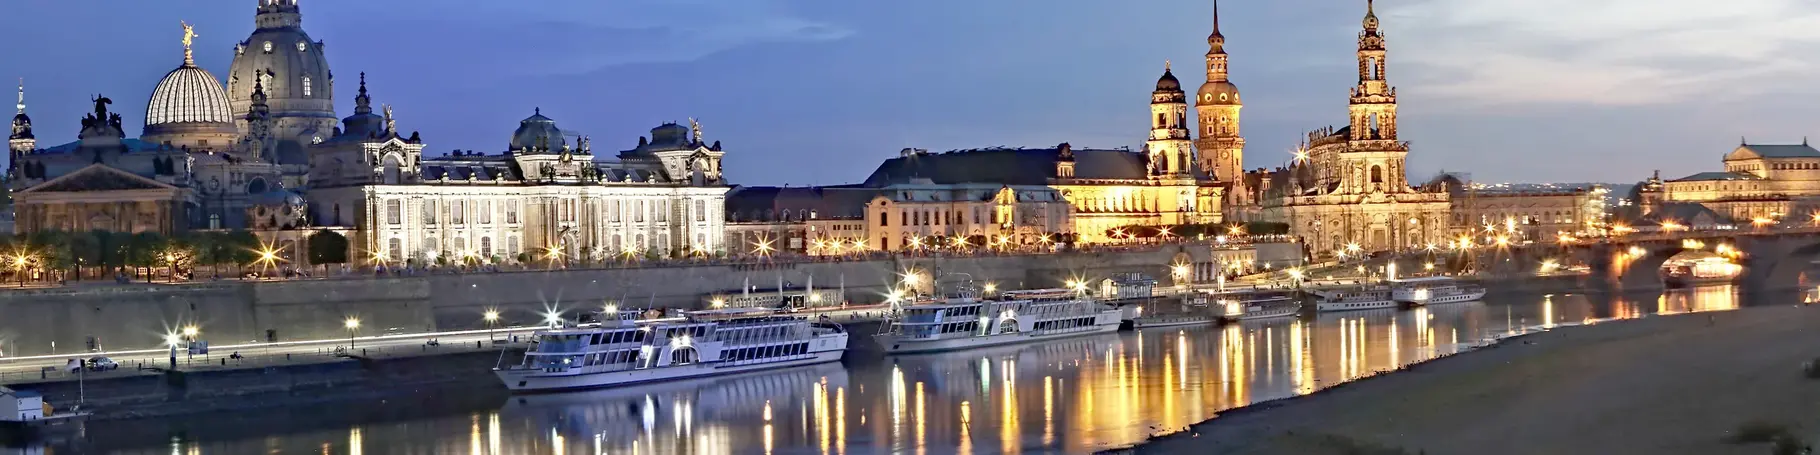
{"x":1433,"y":290}
{"x":1247,"y":307}
{"x":701,"y":343}
{"x":966,"y":321}
{"x":1355,"y":298}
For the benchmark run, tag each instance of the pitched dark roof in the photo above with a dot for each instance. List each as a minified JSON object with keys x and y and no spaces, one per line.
{"x":770,"y":203}
{"x":1007,"y":166}
{"x":1783,"y":151}
{"x":1703,"y":176}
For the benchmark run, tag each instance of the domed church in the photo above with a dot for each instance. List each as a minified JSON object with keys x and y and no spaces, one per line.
{"x":266,"y":153}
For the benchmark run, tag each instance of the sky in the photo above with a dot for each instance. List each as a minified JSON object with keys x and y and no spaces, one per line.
{"x":806,"y":92}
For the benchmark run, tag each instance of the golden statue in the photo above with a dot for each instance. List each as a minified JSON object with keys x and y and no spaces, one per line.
{"x":695,"y":129}
{"x":189,"y":36}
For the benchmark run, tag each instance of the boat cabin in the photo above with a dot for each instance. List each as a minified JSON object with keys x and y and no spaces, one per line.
{"x":21,"y":405}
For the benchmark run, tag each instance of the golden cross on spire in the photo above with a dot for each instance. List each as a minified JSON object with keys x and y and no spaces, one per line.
{"x":189,"y":37}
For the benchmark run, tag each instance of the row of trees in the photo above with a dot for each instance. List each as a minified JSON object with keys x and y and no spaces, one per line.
{"x":1203,"y":230}
{"x":105,"y":251}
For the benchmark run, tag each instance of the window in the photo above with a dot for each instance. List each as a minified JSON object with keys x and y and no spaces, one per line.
{"x":640,"y":214}
{"x":395,"y":249}
{"x":486,"y":247}
{"x":512,"y":246}
{"x":268,"y":47}
{"x":302,"y":46}
{"x":429,"y":213}
{"x":486,"y":212}
{"x":460,"y":244}
{"x":429,"y":247}
{"x":306,"y":86}
{"x":663,"y":211}
{"x":458,"y":212}
{"x":884,"y":219}
{"x":701,"y":210}
{"x":394,"y":212}
{"x":613,"y":208}
{"x":512,"y":212}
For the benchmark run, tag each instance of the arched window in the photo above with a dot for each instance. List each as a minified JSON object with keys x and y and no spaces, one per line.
{"x":429,"y":247}
{"x":306,"y":86}
{"x":391,"y":170}
{"x":486,"y":247}
{"x":1377,"y":174}
{"x":395,"y":249}
{"x":1160,"y":120}
{"x":460,"y":244}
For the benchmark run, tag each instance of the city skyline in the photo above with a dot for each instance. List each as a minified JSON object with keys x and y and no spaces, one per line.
{"x":848,"y":85}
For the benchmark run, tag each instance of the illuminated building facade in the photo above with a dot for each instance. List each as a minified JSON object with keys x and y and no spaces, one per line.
{"x":1760,"y":182}
{"x":1349,"y":186}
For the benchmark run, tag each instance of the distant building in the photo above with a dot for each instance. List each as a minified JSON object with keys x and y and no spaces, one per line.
{"x":1760,"y":182}
{"x":1535,"y":213}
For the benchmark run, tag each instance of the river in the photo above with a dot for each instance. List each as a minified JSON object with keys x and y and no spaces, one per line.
{"x":1070,"y":396}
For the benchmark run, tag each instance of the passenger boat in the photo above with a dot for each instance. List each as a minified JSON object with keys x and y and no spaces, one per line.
{"x":1174,"y":320}
{"x":1261,"y":306}
{"x":1356,"y":298}
{"x":1433,"y":290}
{"x":966,"y":321}
{"x":701,"y":343}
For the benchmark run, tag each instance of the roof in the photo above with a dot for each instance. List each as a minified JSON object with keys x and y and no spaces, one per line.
{"x":1683,"y":212}
{"x":188,"y":95}
{"x":1707,"y":176}
{"x":765,"y":203}
{"x":1008,"y":166}
{"x":1749,"y":151}
{"x":132,"y":145}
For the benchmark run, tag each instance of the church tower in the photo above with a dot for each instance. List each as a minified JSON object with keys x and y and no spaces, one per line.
{"x":294,"y":73}
{"x":1169,"y":149}
{"x":21,"y":142}
{"x":1374,"y":161}
{"x":1222,"y":148}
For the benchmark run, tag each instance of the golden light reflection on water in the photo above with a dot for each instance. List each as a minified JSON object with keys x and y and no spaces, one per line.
{"x":1098,"y":392}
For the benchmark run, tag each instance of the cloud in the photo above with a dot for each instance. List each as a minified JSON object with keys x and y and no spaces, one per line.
{"x":1610,"y":52}
{"x":580,"y":36}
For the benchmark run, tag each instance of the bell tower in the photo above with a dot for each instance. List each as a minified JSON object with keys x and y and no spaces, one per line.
{"x":21,"y":142}
{"x":1222,"y":148}
{"x":1374,"y":160}
{"x":1170,"y":151}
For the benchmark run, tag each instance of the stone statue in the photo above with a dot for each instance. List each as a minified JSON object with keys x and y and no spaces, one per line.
{"x":101,"y":103}
{"x":189,"y":36}
{"x":695,"y":129}
{"x":391,"y":124}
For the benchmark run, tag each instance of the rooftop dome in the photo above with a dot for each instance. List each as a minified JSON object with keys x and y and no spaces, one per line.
{"x":537,"y":132}
{"x":1218,"y":93}
{"x":1168,"y":82}
{"x":188,"y":95}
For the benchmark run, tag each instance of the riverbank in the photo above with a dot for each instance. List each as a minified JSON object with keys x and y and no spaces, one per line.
{"x":1661,"y":385}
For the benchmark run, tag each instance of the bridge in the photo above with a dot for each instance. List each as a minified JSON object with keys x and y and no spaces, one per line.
{"x":1772,"y":256}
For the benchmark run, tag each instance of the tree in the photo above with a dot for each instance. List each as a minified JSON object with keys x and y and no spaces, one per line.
{"x":328,"y":247}
{"x":143,"y":250}
{"x":240,"y":247}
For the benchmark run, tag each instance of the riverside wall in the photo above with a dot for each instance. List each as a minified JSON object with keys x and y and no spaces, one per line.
{"x":121,"y":317}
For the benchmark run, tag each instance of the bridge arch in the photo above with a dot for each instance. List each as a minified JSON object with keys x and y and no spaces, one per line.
{"x":1778,"y":264}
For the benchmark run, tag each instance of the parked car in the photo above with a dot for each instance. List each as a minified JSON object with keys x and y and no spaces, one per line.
{"x":102,"y":364}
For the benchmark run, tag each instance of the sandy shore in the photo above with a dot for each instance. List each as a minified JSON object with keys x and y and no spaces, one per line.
{"x":1661,"y":385}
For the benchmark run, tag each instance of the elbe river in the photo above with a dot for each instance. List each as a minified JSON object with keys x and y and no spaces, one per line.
{"x":1068,"y":396}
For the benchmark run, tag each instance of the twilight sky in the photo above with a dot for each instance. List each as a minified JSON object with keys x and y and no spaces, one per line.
{"x":819,"y":91}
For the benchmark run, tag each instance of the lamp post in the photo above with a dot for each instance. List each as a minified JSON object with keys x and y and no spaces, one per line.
{"x":491,"y":317}
{"x":189,"y":334}
{"x":353,"y":326}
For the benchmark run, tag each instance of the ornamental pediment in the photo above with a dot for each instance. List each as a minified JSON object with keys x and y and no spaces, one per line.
{"x":97,"y":177}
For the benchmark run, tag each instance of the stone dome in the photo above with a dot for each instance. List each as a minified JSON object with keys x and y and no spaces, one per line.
{"x":537,"y":132}
{"x":291,"y":66}
{"x":1168,"y":82}
{"x":188,"y":95}
{"x":1216,"y":93}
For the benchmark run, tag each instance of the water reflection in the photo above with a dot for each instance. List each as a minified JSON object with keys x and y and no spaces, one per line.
{"x":1066,"y":396}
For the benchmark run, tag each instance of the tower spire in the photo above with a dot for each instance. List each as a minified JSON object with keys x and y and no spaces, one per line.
{"x":1371,"y":16}
{"x":21,"y":104}
{"x":363,"y":104}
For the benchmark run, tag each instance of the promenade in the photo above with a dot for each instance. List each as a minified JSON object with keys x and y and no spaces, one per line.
{"x":1659,"y":385}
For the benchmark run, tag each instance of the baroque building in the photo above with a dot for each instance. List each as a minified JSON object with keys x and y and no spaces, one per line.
{"x":1760,"y":181}
{"x":1349,"y":186}
{"x":1217,"y":104}
{"x":265,"y":153}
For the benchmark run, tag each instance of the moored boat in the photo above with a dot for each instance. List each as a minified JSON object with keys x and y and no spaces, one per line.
{"x":966,"y":321}
{"x":1261,"y":306}
{"x":701,"y":343}
{"x":1356,"y":298}
{"x":1434,"y":290}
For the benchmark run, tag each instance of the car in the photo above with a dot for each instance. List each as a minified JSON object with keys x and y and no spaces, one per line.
{"x":102,"y":364}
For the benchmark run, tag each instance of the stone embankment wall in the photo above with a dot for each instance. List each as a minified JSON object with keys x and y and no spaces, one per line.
{"x":234,"y":312}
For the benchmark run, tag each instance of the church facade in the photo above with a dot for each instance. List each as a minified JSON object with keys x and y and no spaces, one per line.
{"x":267,"y":153}
{"x":1349,"y":186}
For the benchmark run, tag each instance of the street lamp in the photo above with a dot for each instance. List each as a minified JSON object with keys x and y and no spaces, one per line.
{"x":353,"y":326}
{"x":492,"y":317}
{"x":19,"y":263}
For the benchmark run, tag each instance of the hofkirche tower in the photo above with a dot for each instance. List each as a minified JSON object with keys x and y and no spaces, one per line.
{"x":1221,"y":147}
{"x":1375,"y":158}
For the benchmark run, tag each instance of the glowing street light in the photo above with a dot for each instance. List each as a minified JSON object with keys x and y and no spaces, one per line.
{"x":990,"y":288}
{"x":191,"y":332}
{"x":717,"y":302}
{"x":492,"y":318}
{"x":353,"y":326}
